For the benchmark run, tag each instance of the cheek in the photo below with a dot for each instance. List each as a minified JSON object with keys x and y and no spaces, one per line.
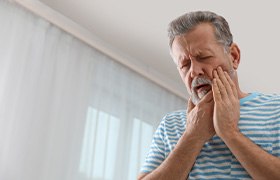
{"x":187,"y":80}
{"x":226,"y":64}
{"x":225,"y":67}
{"x":209,"y":72}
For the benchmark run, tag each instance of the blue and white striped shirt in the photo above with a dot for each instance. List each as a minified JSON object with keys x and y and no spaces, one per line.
{"x":259,"y":121}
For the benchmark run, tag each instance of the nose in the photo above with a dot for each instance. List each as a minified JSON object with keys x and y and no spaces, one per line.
{"x":196,"y":69}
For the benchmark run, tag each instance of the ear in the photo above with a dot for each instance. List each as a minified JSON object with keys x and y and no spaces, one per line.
{"x":235,"y":55}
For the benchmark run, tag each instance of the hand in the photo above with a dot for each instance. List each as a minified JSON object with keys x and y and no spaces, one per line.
{"x":200,"y":118}
{"x":226,"y":108}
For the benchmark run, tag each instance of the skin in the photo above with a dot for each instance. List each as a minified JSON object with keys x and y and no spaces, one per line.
{"x":198,"y":54}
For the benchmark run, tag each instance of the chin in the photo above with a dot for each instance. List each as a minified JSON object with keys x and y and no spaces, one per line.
{"x":197,"y":97}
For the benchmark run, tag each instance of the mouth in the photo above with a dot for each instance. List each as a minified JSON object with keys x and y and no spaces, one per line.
{"x":202,"y":87}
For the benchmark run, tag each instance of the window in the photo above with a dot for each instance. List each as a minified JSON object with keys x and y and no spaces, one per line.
{"x":99,"y":150}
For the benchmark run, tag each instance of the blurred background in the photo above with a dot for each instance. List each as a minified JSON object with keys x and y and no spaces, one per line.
{"x":84,"y":84}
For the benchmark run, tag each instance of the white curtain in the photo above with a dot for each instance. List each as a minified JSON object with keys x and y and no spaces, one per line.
{"x":67,"y":111}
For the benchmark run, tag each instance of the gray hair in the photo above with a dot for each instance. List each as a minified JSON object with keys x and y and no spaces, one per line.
{"x":189,"y":21}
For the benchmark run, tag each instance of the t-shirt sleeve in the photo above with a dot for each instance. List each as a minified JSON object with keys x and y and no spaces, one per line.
{"x":156,"y":154}
{"x":276,"y":143}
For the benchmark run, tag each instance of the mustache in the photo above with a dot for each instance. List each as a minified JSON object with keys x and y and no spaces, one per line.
{"x":200,"y":81}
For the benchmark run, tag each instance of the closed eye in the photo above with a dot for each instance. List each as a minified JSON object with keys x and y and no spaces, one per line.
{"x":186,"y":65}
{"x":204,"y":57}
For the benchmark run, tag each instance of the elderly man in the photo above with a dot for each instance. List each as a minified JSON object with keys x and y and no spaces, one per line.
{"x":224,"y":133}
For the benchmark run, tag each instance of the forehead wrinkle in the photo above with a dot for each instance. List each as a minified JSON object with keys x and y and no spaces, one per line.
{"x":185,"y":45}
{"x":182,"y":44}
{"x":190,"y":50}
{"x":200,"y":51}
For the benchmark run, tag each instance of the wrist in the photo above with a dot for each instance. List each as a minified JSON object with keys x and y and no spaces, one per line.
{"x":197,"y":138}
{"x":229,"y":136}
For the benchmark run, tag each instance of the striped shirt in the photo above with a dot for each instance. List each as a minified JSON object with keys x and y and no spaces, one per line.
{"x":259,"y":121}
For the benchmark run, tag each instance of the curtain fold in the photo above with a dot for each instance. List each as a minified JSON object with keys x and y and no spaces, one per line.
{"x":68,"y":111}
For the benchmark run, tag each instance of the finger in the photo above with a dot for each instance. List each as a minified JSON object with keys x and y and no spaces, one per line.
{"x":233,"y":87}
{"x":220,"y":85}
{"x":190,"y":105}
{"x":225,"y":82}
{"x":216,"y":92}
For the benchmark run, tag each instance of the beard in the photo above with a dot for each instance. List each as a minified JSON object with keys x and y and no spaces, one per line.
{"x":197,"y":95}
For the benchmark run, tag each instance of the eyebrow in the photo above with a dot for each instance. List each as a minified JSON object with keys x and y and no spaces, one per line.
{"x":181,"y":59}
{"x":204,"y":50}
{"x":197,"y":53}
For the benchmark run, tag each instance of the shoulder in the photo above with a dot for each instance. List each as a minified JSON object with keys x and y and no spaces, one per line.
{"x":261,"y":106}
{"x":271,"y":96}
{"x":175,"y":115}
{"x":175,"y":119}
{"x":269,"y":99}
{"x":261,"y":99}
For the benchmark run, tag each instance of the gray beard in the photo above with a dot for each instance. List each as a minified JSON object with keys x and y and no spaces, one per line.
{"x":196,"y":97}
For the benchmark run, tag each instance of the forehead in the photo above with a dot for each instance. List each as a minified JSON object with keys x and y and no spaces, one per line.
{"x":200,"y":39}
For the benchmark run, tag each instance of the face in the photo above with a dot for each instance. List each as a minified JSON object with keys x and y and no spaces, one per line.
{"x":196,"y":55}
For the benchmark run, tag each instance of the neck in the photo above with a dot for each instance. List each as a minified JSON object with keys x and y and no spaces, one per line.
{"x":241,"y":94}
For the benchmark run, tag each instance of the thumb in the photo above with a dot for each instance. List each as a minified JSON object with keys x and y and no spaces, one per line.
{"x":190,"y":105}
{"x":208,"y":97}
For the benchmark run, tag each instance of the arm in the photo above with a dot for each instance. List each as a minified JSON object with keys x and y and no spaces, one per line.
{"x":179,"y":162}
{"x":257,"y":162}
{"x":198,"y":130}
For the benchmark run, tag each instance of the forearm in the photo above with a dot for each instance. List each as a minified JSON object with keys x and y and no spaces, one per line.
{"x":257,"y":162}
{"x":180,"y":161}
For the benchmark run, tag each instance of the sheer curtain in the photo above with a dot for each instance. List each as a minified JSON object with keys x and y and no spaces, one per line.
{"x":67,"y":111}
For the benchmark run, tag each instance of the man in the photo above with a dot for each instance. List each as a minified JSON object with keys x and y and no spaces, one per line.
{"x":225,"y":133}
